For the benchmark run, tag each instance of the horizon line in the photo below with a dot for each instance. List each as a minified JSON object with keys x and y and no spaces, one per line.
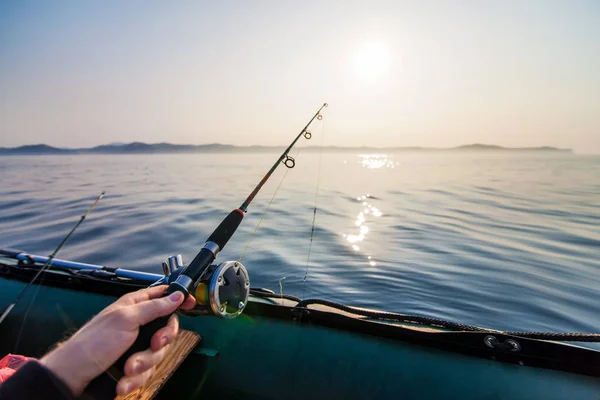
{"x":139,"y":143}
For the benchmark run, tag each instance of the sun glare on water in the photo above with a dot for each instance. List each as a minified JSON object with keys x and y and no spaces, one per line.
{"x":372,"y":62}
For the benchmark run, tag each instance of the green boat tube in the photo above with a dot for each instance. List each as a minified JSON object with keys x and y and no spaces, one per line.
{"x":285,"y":348}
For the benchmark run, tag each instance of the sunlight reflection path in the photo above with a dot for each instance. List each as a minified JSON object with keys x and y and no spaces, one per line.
{"x":368,"y":211}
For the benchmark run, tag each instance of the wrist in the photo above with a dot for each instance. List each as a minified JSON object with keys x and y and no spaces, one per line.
{"x":63,"y":364}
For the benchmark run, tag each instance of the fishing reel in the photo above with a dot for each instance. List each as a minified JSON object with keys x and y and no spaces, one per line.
{"x":223,"y":289}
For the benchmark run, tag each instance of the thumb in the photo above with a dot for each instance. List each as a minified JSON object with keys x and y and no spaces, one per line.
{"x":147,"y":311}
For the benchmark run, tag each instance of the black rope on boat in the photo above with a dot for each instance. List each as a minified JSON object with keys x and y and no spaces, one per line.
{"x":415,"y":319}
{"x":559,"y":337}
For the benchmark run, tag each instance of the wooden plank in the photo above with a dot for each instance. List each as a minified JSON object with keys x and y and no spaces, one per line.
{"x":182,"y":346}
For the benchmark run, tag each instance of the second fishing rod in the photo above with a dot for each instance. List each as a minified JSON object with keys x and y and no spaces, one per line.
{"x":222,"y":289}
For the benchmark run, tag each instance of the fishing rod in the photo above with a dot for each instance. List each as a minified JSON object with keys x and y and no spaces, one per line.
{"x":219,"y":238}
{"x":223,"y":289}
{"x":50,"y":258}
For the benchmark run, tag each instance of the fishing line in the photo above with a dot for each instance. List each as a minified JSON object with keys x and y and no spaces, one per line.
{"x":41,"y":271}
{"x":312,"y":229}
{"x":266,"y":209}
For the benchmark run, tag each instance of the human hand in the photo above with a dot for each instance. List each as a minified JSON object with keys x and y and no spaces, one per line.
{"x":107,"y":336}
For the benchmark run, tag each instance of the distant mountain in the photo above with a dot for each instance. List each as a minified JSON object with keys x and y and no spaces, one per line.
{"x":35,"y":149}
{"x":478,"y":146}
{"x":145,"y":148}
{"x":491,"y":147}
{"x":166,"y":148}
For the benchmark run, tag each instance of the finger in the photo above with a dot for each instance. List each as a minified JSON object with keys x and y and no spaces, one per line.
{"x":144,"y":360}
{"x":189,"y":303}
{"x":147,"y":311}
{"x":165,"y":335}
{"x":145,"y":294}
{"x":136,"y":297}
{"x":128,"y":384}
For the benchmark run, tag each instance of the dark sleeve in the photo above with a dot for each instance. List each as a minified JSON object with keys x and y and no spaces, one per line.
{"x":34,"y":381}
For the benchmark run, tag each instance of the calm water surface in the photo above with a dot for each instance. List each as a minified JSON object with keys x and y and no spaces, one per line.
{"x":507,"y":241}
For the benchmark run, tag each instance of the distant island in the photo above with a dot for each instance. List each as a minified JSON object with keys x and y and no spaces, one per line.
{"x":168,"y":148}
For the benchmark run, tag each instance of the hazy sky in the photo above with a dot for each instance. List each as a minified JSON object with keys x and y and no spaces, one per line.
{"x":395,"y":73}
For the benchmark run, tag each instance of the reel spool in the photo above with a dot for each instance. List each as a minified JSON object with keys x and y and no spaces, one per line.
{"x":224,"y":289}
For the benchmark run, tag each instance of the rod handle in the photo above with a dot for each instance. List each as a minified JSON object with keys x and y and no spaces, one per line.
{"x":226,"y":228}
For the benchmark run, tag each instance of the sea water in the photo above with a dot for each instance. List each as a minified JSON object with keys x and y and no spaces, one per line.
{"x":502,"y":240}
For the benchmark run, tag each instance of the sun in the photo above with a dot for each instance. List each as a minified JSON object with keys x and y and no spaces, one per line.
{"x":372,"y":61}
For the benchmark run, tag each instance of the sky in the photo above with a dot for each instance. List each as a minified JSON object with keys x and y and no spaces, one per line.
{"x":395,"y":73}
